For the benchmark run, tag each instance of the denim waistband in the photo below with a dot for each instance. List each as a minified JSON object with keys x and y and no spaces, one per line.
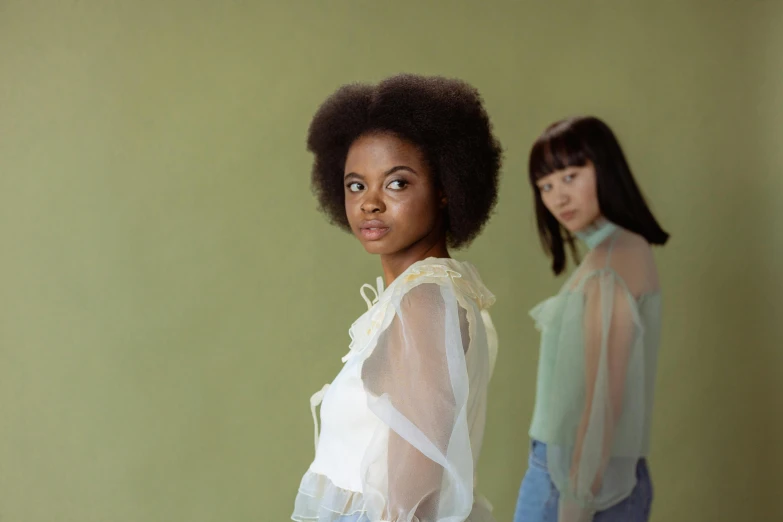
{"x":538,"y":454}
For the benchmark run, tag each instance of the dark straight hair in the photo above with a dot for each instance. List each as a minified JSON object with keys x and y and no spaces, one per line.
{"x":574,"y":142}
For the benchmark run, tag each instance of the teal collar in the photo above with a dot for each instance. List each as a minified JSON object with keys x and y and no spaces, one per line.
{"x":597,"y":233}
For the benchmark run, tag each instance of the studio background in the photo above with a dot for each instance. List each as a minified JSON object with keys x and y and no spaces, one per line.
{"x":171,"y":297}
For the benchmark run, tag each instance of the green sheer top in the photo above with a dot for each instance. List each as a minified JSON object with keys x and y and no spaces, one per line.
{"x":596,"y":371}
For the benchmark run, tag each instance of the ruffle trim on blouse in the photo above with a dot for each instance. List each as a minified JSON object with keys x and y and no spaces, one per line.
{"x":430,"y":270}
{"x":544,"y":312}
{"x":319,"y":500}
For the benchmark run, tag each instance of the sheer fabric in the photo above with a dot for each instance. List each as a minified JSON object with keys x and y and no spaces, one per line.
{"x":597,"y":367}
{"x":403,"y":422}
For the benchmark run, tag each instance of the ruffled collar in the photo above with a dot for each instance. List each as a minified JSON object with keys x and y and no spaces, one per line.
{"x":596,"y":233}
{"x":462,"y":273}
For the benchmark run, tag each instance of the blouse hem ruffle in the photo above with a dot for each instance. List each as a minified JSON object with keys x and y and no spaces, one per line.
{"x":319,"y":500}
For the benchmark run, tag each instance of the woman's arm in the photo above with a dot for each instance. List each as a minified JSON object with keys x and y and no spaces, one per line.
{"x":609,"y":332}
{"x":421,"y":466}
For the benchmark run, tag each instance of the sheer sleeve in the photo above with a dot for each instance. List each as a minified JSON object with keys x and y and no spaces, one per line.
{"x":419,"y":466}
{"x":600,"y":457}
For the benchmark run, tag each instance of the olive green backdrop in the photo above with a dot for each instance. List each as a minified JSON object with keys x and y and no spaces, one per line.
{"x":170,"y":298}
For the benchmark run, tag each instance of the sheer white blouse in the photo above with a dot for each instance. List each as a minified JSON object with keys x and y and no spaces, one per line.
{"x":402,"y":423}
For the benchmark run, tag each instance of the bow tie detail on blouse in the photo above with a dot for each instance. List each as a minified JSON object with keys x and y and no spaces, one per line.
{"x":377,"y":290}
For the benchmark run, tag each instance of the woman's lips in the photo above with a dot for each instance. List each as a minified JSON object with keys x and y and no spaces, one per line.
{"x":373,"y":230}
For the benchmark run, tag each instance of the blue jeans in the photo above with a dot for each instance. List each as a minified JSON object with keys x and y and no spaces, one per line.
{"x":538,"y":496}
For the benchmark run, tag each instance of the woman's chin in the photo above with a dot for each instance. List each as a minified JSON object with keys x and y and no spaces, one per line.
{"x":376,"y":247}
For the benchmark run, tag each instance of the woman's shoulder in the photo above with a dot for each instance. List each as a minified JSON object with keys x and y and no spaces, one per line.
{"x":625,"y":256}
{"x":460,"y":276}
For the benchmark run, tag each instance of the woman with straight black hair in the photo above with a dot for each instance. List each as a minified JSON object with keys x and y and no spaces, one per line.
{"x":599,"y":336}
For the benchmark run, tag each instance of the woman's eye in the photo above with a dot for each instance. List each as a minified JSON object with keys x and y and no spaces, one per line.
{"x":546,"y":187}
{"x":398,"y":184}
{"x":355,"y":187}
{"x":569,"y":177}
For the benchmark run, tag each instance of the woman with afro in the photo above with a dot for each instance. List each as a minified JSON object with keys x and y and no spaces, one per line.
{"x":409,"y":167}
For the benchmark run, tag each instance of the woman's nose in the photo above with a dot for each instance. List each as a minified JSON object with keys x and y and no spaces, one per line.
{"x":372,"y":204}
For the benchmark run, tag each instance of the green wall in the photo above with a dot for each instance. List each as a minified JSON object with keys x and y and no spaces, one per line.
{"x":171,"y":297}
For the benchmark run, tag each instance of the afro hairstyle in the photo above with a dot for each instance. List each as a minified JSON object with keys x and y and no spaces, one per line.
{"x":444,"y":117}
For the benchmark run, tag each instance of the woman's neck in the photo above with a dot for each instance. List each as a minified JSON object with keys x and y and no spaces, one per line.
{"x":395,"y":264}
{"x":597,"y":232}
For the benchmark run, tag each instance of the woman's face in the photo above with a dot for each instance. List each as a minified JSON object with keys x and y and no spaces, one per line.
{"x":570,"y":195}
{"x":391,"y":198}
